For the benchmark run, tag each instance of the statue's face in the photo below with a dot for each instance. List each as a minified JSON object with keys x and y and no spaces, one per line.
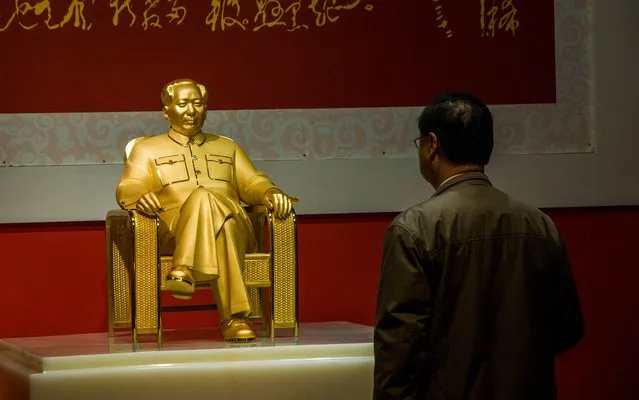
{"x":187,"y":111}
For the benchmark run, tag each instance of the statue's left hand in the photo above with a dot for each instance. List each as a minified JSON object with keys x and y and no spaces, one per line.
{"x":279,"y":202}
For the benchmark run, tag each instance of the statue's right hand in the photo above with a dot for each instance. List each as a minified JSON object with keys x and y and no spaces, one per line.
{"x":149,"y":204}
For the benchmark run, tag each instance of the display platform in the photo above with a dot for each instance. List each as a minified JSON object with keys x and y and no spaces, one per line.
{"x":327,"y":361}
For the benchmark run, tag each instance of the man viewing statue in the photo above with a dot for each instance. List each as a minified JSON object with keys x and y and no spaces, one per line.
{"x":195,"y":183}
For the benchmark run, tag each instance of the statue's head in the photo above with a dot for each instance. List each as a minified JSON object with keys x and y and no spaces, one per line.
{"x":184,"y":103}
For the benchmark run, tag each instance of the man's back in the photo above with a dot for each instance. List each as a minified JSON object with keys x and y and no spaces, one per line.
{"x":491,"y":302}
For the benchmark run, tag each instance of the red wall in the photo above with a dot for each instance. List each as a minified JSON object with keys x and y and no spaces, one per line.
{"x":54,"y":284}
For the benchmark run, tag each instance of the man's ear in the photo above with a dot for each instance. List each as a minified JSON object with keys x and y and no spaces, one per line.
{"x":433,"y":144}
{"x":164,"y":112}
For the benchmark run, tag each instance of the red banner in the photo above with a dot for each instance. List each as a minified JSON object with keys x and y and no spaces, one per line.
{"x":115,"y":55}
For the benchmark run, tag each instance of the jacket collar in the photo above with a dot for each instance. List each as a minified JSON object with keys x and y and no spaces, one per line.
{"x":185,"y":140}
{"x":459,"y":178}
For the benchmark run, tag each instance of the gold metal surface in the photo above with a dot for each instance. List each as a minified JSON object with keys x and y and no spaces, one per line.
{"x":131,"y":240}
{"x":284,"y":273}
{"x":118,"y":243}
{"x":257,"y":270}
{"x":257,"y":297}
{"x":181,"y":188}
{"x":145,"y":273}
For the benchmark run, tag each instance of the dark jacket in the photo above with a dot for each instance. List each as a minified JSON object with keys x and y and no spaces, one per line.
{"x":476,"y":298}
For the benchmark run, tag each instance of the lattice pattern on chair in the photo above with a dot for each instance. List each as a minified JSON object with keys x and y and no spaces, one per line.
{"x":284,"y":243}
{"x":146,"y":301}
{"x":118,"y":236}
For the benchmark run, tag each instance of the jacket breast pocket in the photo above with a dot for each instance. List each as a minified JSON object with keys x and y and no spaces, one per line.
{"x":172,"y":169}
{"x":219,"y":167}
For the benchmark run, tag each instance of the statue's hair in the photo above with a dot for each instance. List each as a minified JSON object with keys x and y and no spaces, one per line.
{"x":169,"y":88}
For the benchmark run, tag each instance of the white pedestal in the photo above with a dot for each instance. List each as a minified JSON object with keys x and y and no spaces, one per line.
{"x":327,"y":361}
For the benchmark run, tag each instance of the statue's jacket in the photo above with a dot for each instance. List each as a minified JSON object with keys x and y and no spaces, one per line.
{"x":172,"y":166}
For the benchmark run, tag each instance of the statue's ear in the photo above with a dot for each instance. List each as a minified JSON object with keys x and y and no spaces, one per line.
{"x":164,"y":112}
{"x":204,"y":93}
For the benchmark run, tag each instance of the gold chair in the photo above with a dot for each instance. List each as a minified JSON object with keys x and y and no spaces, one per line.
{"x":136,"y":273}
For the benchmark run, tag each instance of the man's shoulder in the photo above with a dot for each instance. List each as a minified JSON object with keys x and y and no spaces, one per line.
{"x":452,"y":207}
{"x":531,"y":211}
{"x":412,"y":218}
{"x":510,"y":213}
{"x":535,"y":222}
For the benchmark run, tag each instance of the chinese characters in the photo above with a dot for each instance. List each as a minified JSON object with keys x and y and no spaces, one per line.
{"x":224,"y":15}
{"x":442,"y":22}
{"x":498,"y":15}
{"x":218,"y":15}
{"x":271,"y":13}
{"x":24,"y":9}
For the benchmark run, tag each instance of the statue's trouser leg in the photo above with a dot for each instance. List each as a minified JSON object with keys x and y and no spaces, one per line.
{"x":211,"y":240}
{"x":230,"y":293}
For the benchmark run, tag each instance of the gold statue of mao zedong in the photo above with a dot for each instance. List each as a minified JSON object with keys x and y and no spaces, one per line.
{"x":195,"y":183}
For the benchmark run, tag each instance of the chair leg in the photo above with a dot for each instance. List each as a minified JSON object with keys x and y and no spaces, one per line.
{"x":110,"y":274}
{"x":134,"y":327}
{"x":263,"y":311}
{"x":111,"y":330}
{"x":111,"y":309}
{"x":134,"y":335}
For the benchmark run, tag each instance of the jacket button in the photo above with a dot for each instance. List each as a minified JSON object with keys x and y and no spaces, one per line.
{"x":194,"y":157}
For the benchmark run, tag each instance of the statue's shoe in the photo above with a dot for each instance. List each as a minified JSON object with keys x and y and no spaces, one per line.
{"x":237,"y":329}
{"x":180,"y":282}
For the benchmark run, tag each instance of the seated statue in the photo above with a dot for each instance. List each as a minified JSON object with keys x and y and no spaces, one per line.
{"x":194,"y":182}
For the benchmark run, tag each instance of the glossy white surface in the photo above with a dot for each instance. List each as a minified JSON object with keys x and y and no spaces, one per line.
{"x":328,"y":360}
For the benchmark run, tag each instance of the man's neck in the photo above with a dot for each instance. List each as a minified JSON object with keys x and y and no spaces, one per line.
{"x":450,"y":172}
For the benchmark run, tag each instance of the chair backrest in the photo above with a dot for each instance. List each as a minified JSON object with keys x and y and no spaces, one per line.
{"x":129,"y":147}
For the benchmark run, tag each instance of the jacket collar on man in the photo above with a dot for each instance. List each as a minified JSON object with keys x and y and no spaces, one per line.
{"x":184,"y":140}
{"x":459,"y":178}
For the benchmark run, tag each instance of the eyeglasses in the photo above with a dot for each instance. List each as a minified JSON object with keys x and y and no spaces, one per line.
{"x":417,"y":141}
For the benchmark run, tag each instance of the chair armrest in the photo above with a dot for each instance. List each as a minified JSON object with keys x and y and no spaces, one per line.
{"x":117,"y":213}
{"x":284,"y":261}
{"x":141,"y":224}
{"x":144,"y":227}
{"x":283,"y":230}
{"x":145,"y":272}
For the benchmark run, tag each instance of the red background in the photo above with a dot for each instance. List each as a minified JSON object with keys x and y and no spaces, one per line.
{"x":394,"y":55}
{"x":54,"y":283}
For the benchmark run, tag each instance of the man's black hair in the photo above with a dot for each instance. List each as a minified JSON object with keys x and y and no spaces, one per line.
{"x":463,"y":125}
